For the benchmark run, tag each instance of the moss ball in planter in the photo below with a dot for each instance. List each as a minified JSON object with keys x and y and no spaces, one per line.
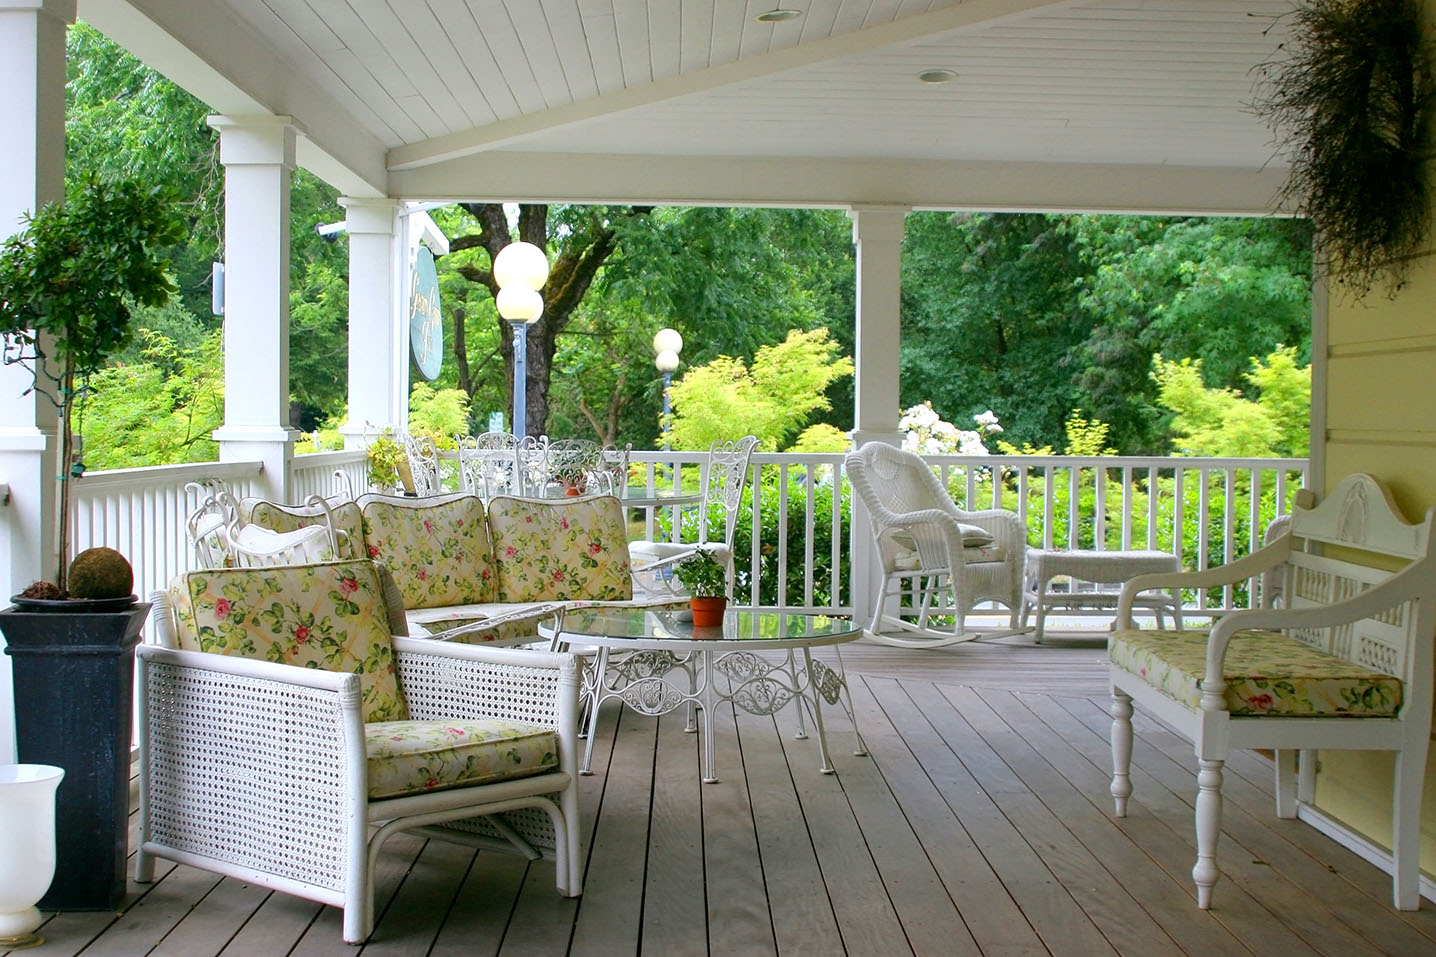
{"x":101,"y":573}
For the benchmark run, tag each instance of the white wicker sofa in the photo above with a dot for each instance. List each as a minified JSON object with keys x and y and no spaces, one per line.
{"x":1345,"y":664}
{"x":284,"y":735}
{"x":475,"y":574}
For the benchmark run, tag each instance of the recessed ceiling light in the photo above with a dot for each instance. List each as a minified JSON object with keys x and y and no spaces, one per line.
{"x":937,"y":76}
{"x":778,"y":15}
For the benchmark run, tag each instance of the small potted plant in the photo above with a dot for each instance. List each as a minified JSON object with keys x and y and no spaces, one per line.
{"x":706,"y":579}
{"x":68,"y":283}
{"x":387,"y":462}
{"x":573,"y":476}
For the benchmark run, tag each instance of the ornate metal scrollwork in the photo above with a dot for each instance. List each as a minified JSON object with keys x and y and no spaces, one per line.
{"x":826,"y":682}
{"x":638,"y":665}
{"x":763,"y":696}
{"x":651,"y":696}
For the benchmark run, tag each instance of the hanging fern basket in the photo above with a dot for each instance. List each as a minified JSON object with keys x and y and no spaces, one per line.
{"x":1351,"y":103}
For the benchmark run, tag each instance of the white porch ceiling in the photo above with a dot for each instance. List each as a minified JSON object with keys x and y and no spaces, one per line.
{"x":1078,"y":103}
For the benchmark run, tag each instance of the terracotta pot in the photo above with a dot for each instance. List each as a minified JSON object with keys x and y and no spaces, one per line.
{"x":707,"y":612}
{"x":572,"y":490}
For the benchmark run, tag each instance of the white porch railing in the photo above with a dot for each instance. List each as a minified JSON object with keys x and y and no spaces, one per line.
{"x":141,"y":512}
{"x":796,"y":530}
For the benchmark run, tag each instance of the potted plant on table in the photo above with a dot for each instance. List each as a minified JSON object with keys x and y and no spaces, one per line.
{"x":706,"y":579}
{"x":572,"y":476}
{"x":68,"y":282}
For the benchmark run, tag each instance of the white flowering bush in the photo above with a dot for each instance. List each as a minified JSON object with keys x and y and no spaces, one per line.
{"x":925,"y":433}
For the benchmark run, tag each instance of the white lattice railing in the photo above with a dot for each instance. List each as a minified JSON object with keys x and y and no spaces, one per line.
{"x":1210,"y":510}
{"x":141,"y":512}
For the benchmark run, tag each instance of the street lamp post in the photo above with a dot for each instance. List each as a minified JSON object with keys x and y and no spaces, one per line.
{"x":667,"y":343}
{"x":520,"y":269}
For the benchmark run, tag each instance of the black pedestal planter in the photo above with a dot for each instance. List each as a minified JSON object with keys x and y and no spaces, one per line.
{"x":74,"y":676}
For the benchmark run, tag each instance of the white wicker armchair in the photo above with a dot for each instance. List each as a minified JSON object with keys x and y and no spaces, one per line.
{"x":269,"y":773}
{"x":941,"y":560}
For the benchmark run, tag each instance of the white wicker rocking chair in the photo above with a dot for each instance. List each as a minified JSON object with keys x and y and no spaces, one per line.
{"x":940,"y":560}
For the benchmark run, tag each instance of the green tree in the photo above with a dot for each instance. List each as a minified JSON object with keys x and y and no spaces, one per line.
{"x":989,"y":313}
{"x":1212,"y":289}
{"x":1222,"y":422}
{"x":772,"y":400}
{"x":163,"y":408}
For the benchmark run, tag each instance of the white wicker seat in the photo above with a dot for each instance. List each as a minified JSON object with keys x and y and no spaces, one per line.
{"x":940,"y":559}
{"x":270,"y":774}
{"x":725,"y":476}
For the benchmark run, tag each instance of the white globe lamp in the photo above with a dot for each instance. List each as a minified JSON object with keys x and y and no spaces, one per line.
{"x":521,"y":264}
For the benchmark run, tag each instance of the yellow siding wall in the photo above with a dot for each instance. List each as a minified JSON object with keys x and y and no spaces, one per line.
{"x":1381,"y":418}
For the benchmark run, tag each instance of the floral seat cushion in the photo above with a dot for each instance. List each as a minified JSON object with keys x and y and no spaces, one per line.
{"x":562,"y":550}
{"x":437,"y":549}
{"x":329,"y":616}
{"x":1266,"y":673}
{"x":410,"y":757}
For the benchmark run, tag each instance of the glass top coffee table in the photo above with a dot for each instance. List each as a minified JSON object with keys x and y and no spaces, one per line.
{"x":713,"y":664}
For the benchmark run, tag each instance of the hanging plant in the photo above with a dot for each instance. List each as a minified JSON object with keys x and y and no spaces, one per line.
{"x":1350,"y":103}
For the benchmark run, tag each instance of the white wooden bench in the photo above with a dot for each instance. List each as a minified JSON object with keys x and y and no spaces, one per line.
{"x":1345,"y":664}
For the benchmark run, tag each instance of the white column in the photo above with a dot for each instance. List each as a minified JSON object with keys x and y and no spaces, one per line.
{"x":258,"y":156}
{"x":32,"y":173}
{"x":878,"y":235}
{"x":373,"y":228}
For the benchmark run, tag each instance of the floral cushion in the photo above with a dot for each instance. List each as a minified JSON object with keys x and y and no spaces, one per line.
{"x":409,"y":757}
{"x":330,"y":616}
{"x":348,"y":522}
{"x":560,"y":550}
{"x":438,"y":549}
{"x":1266,"y":673}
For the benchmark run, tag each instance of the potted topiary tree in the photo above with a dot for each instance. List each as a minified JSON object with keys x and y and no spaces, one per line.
{"x":707,"y":581}
{"x":68,"y":281}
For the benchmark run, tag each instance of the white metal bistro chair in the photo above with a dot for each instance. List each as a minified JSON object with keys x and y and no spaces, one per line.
{"x":935,"y":559}
{"x":488,"y":464}
{"x":725,"y":476}
{"x":423,"y":458}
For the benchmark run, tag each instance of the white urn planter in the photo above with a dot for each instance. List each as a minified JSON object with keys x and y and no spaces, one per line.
{"x":27,"y":848}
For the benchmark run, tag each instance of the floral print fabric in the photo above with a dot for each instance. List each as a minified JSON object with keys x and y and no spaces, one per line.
{"x":438,"y":551}
{"x":347,"y":520}
{"x":329,"y":616}
{"x":410,"y":757}
{"x":560,"y":550}
{"x":1266,"y":673}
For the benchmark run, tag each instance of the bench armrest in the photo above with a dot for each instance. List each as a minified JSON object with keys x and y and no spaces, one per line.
{"x":1249,"y":566}
{"x":1417,"y":580}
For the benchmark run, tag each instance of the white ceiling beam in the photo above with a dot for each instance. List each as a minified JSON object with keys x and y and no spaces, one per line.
{"x":204,"y":48}
{"x":505,"y":176}
{"x":969,"y":14}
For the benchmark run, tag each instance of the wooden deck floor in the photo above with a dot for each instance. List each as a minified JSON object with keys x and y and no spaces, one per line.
{"x":980,"y":824}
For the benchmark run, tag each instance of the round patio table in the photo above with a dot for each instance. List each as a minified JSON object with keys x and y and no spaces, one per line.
{"x":718,"y":663}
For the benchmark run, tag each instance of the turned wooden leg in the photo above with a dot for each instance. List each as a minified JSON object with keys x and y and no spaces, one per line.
{"x":1121,"y":712}
{"x":1406,"y":830}
{"x":1209,"y":828}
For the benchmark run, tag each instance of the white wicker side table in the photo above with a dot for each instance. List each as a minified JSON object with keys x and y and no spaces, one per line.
{"x":1097,"y":568}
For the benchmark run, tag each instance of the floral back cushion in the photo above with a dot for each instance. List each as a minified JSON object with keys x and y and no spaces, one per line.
{"x":437,"y":549}
{"x":347,"y":520}
{"x":329,"y":616}
{"x":562,"y":550}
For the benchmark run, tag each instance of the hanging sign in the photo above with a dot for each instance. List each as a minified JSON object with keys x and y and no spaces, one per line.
{"x":426,"y":324}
